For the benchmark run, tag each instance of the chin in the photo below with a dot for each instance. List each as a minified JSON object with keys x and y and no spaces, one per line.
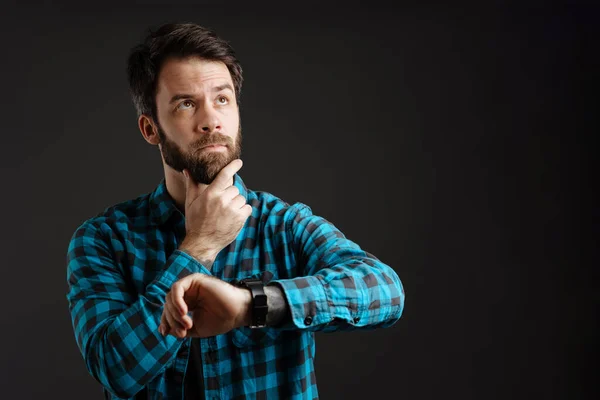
{"x":206,"y":172}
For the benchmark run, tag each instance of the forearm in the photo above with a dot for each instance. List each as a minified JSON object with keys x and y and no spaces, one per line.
{"x":205,"y":255}
{"x":338,"y":285}
{"x":279,"y":310}
{"x":118,"y":363}
{"x":344,"y":298}
{"x":111,"y":324}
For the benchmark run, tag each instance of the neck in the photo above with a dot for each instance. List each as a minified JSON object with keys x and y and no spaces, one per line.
{"x":175,"y":182}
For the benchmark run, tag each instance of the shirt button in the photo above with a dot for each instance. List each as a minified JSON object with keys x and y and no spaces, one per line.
{"x":356,"y":319}
{"x":308,"y":320}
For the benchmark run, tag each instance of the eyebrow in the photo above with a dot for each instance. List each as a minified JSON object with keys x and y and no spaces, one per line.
{"x":188,"y":96}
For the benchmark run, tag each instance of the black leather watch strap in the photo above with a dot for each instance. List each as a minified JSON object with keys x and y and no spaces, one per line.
{"x":260,"y":308}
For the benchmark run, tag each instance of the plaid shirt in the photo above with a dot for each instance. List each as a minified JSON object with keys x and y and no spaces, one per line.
{"x":122,"y":262}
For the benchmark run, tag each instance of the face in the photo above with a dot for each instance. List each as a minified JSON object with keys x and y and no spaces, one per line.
{"x":196,"y":107}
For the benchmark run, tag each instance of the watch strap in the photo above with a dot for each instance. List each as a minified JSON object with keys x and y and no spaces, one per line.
{"x":259,"y":301}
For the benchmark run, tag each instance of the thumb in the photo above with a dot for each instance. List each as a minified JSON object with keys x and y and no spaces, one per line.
{"x":192,"y":189}
{"x":186,"y":180}
{"x":178,"y":291}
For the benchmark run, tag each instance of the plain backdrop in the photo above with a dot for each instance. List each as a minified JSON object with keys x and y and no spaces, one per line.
{"x":449,"y":142}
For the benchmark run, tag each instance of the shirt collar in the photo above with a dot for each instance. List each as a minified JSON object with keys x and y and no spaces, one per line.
{"x":162,"y":205}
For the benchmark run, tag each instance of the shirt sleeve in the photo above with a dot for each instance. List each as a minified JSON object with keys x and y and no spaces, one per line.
{"x":338,"y":286}
{"x":115,"y":327}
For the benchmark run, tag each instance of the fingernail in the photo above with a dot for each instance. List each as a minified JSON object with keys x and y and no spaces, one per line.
{"x":161,"y":329}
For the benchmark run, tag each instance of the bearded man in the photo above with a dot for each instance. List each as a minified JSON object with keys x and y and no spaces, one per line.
{"x":203,"y":288}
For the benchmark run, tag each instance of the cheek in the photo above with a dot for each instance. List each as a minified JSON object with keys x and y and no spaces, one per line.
{"x":232,"y":123}
{"x":184,"y":143}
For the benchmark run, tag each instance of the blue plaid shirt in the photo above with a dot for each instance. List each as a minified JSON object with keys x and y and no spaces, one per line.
{"x":122,"y":262}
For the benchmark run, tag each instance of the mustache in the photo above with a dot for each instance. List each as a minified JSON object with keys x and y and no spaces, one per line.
{"x":209,"y":140}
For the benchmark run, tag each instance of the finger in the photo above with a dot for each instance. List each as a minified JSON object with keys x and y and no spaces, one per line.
{"x":176,"y":297}
{"x":177,"y":293}
{"x":163,"y":328}
{"x":223,"y":178}
{"x":247,"y":211}
{"x":176,"y":328}
{"x":230,"y":193}
{"x":185,"y":178}
{"x":177,"y":310}
{"x":171,"y":317}
{"x":191,"y":187}
{"x":176,"y":313}
{"x":167,"y":328}
{"x":238,"y":202}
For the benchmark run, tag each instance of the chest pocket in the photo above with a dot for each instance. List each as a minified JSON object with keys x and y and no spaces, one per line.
{"x":248,"y":337}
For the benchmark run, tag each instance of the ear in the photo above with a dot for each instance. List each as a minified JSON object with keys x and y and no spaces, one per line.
{"x":148,"y":129}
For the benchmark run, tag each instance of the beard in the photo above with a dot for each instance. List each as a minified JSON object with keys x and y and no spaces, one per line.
{"x":202,"y":165}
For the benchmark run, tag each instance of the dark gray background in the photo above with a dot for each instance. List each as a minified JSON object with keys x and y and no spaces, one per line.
{"x":447,"y":142}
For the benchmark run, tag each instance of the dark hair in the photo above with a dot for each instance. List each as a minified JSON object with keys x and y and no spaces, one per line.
{"x":179,"y":40}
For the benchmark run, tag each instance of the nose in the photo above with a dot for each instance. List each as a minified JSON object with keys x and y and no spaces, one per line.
{"x":209,"y":120}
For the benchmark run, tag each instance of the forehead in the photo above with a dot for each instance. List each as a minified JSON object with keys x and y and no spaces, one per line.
{"x":191,"y":75}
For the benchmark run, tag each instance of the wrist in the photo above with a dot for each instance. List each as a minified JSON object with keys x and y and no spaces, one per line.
{"x":279,"y":311}
{"x":200,"y":253}
{"x":257,"y":312}
{"x":245,"y":317}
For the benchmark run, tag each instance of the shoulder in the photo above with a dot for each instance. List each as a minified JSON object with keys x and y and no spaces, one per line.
{"x":268,"y":205}
{"x":119,"y":217}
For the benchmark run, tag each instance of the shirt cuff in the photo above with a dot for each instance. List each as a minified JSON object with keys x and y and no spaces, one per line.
{"x":179,"y":265}
{"x":307,"y":300}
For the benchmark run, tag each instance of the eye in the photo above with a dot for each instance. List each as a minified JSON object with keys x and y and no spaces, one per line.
{"x":222,"y":100}
{"x":185,"y":104}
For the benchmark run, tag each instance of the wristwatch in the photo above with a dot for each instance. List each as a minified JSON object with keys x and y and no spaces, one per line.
{"x":259,"y":301}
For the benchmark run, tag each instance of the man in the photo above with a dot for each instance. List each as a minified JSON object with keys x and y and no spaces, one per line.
{"x":204,"y":288}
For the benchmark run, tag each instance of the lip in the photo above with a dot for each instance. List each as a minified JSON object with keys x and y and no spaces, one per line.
{"x":213,"y":146}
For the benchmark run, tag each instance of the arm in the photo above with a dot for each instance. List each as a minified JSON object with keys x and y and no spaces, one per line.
{"x":117,"y":329}
{"x":339,"y":285}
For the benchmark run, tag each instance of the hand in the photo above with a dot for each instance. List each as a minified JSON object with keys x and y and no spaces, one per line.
{"x":214,"y":214}
{"x":216,"y":307}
